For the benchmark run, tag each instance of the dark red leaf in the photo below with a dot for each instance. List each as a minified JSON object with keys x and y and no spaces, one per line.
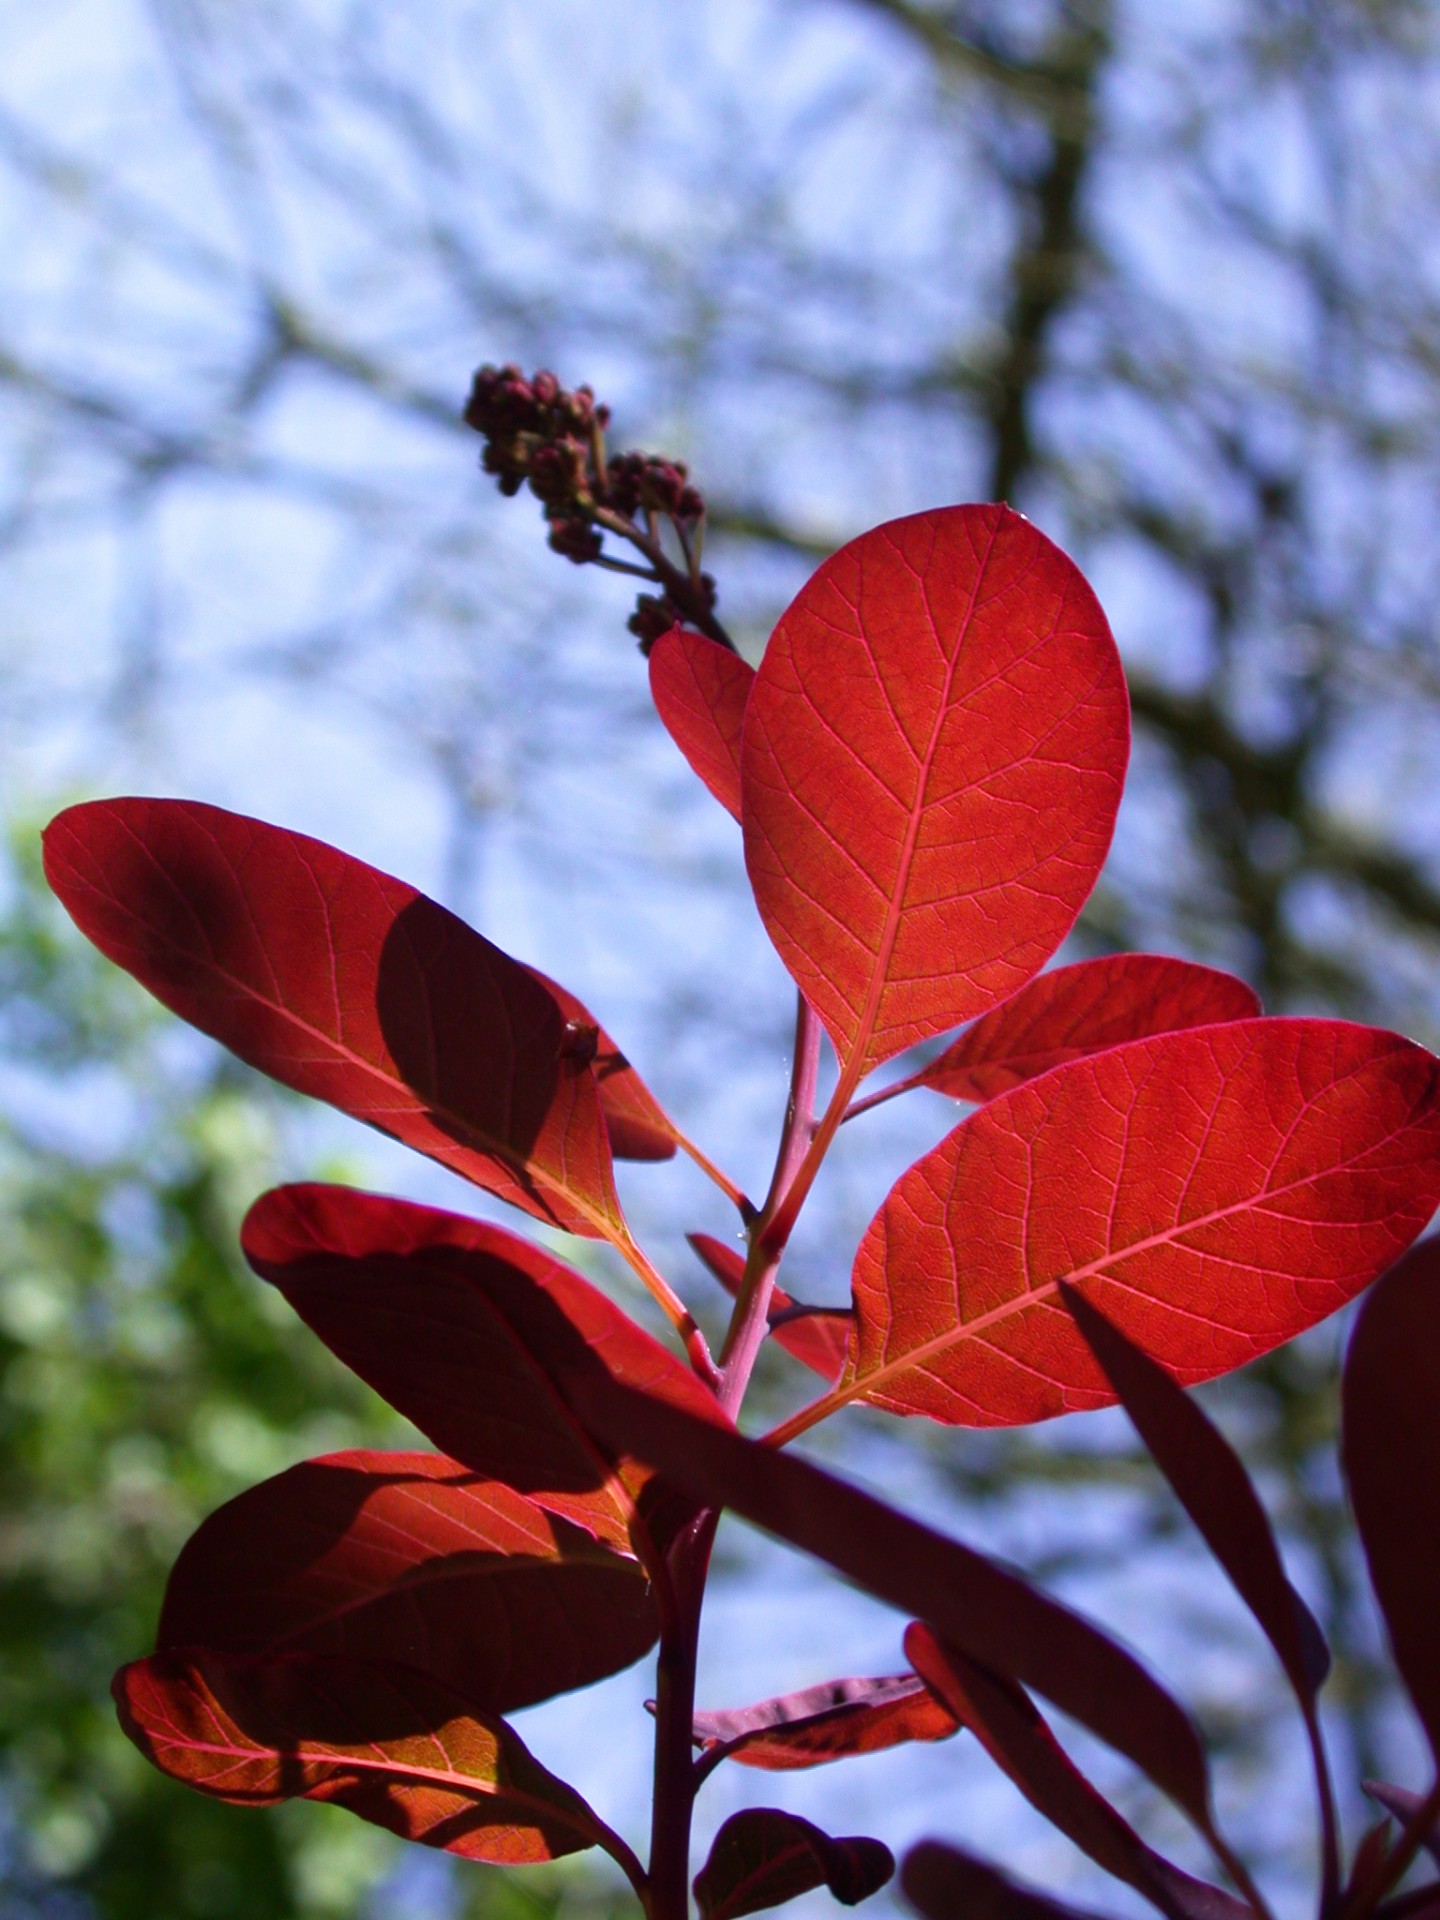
{"x":1391,"y":1422}
{"x":818,"y":1338}
{"x":347,"y":985}
{"x":473,"y":1334}
{"x":1215,"y":1192}
{"x":933,"y":755}
{"x":701,"y":690}
{"x":638,"y":1126}
{"x":1081,"y":1010}
{"x":945,"y":1884}
{"x":1404,"y":1805}
{"x":1015,"y":1735}
{"x":762,"y":1858}
{"x":1213,"y":1487}
{"x":828,"y":1722}
{"x":411,"y":1556}
{"x":996,"y":1617}
{"x":391,"y":1745}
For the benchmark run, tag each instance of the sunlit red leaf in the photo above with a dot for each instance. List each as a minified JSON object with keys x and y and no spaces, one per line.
{"x":393,"y":1746}
{"x":933,"y":755}
{"x":1214,"y":1192}
{"x":347,"y":985}
{"x":995,"y":1616}
{"x":1078,"y":1010}
{"x":638,"y":1126}
{"x":411,"y":1556}
{"x":818,"y":1338}
{"x":942,"y":1883}
{"x":1391,"y":1403}
{"x":762,"y":1858}
{"x":474,"y":1334}
{"x":701,"y":690}
{"x":828,"y":1722}
{"x":1008,"y":1725}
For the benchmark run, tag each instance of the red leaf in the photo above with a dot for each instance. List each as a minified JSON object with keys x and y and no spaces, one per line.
{"x":818,"y":1338}
{"x":762,"y":1858}
{"x":1015,"y":1735}
{"x":1080,"y":1010}
{"x":828,"y":1722}
{"x":638,"y":1126}
{"x":994,"y":1616}
{"x":411,"y":1555}
{"x":943,"y":1883}
{"x":1391,"y":1424}
{"x":1216,"y":1192}
{"x":391,"y":1745}
{"x":932,"y":761}
{"x":1207,"y":1478}
{"x":347,"y":985}
{"x":700,"y":690}
{"x":473,"y":1334}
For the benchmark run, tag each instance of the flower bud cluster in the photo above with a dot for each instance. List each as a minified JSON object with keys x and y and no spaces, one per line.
{"x":535,"y":430}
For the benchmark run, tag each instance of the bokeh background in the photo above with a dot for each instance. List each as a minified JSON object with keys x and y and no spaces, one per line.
{"x":1166,"y":278}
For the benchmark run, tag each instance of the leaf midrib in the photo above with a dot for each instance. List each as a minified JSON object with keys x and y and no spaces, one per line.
{"x":971,"y":1329}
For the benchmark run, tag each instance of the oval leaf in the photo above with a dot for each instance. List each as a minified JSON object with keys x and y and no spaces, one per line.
{"x":818,"y":1337}
{"x":1391,"y":1425}
{"x":828,"y":1722}
{"x":348,"y":985}
{"x":1215,"y":1192}
{"x":393,"y":1746}
{"x":701,"y":690}
{"x":473,"y":1334}
{"x":1080,"y":1010}
{"x":933,"y":756}
{"x":374,"y":1555}
{"x":762,"y":1858}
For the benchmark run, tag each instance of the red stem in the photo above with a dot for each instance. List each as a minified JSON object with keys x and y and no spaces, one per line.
{"x":750,"y":1320}
{"x":674,"y":1802}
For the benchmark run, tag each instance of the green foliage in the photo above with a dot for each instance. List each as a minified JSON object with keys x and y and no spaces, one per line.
{"x":145,"y":1376}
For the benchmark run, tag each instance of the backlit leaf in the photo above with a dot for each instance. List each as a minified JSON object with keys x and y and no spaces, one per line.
{"x":638,"y":1126}
{"x":995,"y":1616}
{"x":700,"y":690}
{"x":762,"y":1858}
{"x":1208,"y":1480}
{"x":347,"y":985}
{"x":411,"y":1556}
{"x":1214,"y":1192}
{"x":1391,"y":1424}
{"x":828,"y":1722}
{"x":1015,"y":1735}
{"x":818,"y":1338}
{"x":393,"y":1746}
{"x":474,"y":1334}
{"x":1079,"y":1010}
{"x":943,"y":1884}
{"x":933,"y":755}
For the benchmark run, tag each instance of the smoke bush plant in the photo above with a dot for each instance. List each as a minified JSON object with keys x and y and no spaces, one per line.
{"x":1156,"y":1185}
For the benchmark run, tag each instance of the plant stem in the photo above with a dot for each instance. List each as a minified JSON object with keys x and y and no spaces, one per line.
{"x":749,"y":1321}
{"x":674,"y":1801}
{"x":1364,"y":1899}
